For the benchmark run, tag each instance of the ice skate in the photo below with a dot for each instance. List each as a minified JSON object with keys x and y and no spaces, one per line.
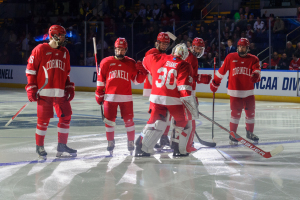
{"x":252,"y":136}
{"x":164,"y":141}
{"x":61,"y":148}
{"x":138,"y":149}
{"x":130,"y":145}
{"x":176,"y":152}
{"x":41,"y":151}
{"x":233,"y":141}
{"x":110,"y":147}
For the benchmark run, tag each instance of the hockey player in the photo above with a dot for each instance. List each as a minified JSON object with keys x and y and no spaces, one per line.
{"x":115,"y":76}
{"x":172,"y":85}
{"x":57,"y":93}
{"x":162,"y":43}
{"x":195,"y":52}
{"x":244,"y":71}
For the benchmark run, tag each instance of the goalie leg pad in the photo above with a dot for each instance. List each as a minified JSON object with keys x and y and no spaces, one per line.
{"x":182,"y":136}
{"x":152,"y":133}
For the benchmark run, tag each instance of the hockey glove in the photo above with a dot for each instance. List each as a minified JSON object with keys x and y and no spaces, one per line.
{"x":204,"y":78}
{"x":31,"y":92}
{"x":255,"y":76}
{"x":214,"y":86}
{"x":139,"y":66}
{"x":70,"y":91}
{"x":99,"y":95}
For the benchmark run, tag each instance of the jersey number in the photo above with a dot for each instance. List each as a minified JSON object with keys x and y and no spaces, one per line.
{"x":165,"y":75}
{"x":31,"y":59}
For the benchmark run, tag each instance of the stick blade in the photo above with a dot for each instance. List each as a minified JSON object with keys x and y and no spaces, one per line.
{"x":171,"y":35}
{"x":8,"y":122}
{"x":277,"y":150}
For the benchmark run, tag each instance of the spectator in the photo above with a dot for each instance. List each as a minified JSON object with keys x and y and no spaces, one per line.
{"x":209,"y":61}
{"x":247,"y":12}
{"x":295,"y":63}
{"x":284,"y":62}
{"x":225,"y":39}
{"x":278,"y":26}
{"x":99,"y":45}
{"x":163,"y":9}
{"x":253,"y":49}
{"x":230,"y":48}
{"x":185,"y":39}
{"x":237,"y":15}
{"x":165,"y":20}
{"x":214,"y":25}
{"x":155,"y":12}
{"x":203,"y":33}
{"x":12,"y":37}
{"x":289,"y":50}
{"x":142,"y":11}
{"x":173,"y":7}
{"x":192,"y":32}
{"x":251,"y":20}
{"x":227,"y":31}
{"x":275,"y":60}
{"x":90,"y":60}
{"x":189,"y":43}
{"x":223,"y":23}
{"x":230,"y":24}
{"x":174,"y":18}
{"x":210,"y":36}
{"x":249,"y":32}
{"x":149,"y":11}
{"x":242,"y":23}
{"x":259,"y":26}
{"x":235,"y":39}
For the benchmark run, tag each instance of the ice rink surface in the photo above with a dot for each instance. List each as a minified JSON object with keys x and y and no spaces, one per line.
{"x":205,"y":174}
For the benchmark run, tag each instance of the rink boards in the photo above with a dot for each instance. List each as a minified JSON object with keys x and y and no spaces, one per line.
{"x":279,"y":85}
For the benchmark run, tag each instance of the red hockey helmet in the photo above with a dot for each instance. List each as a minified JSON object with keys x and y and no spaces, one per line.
{"x":243,"y":42}
{"x":56,"y":30}
{"x":163,"y":37}
{"x":198,"y":42}
{"x":121,"y":43}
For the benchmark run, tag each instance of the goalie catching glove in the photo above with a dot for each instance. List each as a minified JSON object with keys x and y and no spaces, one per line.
{"x":204,"y":78}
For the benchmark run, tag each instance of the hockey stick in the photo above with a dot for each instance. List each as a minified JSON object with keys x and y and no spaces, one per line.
{"x":209,"y":144}
{"x":213,"y":108}
{"x":23,"y":107}
{"x":251,"y":146}
{"x":97,"y":71}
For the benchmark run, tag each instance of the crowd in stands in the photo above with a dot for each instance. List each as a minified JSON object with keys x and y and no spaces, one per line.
{"x":140,"y":26}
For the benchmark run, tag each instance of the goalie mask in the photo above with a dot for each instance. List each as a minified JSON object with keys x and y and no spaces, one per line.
{"x":180,"y":51}
{"x":242,"y":43}
{"x":198,"y":47}
{"x":121,"y":47}
{"x":163,"y":42}
{"x":58,"y":34}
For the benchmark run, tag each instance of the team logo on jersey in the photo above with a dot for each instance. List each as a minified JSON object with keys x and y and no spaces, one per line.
{"x":48,"y":53}
{"x":234,"y":61}
{"x":112,"y":64}
{"x":171,"y":64}
{"x":56,"y":54}
{"x":56,"y":63}
{"x":242,"y":62}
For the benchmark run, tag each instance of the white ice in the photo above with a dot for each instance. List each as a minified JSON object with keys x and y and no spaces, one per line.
{"x":205,"y":174}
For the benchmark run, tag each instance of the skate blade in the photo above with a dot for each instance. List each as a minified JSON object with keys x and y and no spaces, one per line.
{"x":41,"y":158}
{"x":60,"y":155}
{"x":233,"y":143}
{"x":111,"y":153}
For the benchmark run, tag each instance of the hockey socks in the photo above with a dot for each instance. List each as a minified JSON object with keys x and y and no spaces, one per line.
{"x":110,"y":132}
{"x":63,"y":127}
{"x":41,"y":130}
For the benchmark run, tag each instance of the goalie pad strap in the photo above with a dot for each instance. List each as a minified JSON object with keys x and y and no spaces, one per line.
{"x":191,"y":104}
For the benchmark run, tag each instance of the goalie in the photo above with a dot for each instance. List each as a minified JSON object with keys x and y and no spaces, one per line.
{"x":171,"y":95}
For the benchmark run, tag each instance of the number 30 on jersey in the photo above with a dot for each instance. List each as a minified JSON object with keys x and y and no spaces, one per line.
{"x":165,"y":75}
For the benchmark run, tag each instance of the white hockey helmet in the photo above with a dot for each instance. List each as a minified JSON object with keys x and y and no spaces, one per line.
{"x":180,"y":51}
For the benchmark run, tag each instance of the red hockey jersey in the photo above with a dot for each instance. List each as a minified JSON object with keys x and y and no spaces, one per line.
{"x":240,"y":70}
{"x":295,"y":65}
{"x":191,"y":59}
{"x":116,"y":76}
{"x":148,"y":80}
{"x":171,"y":78}
{"x":57,"y":63}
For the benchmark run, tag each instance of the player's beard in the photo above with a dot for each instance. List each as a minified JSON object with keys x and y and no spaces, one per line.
{"x":242,"y":54}
{"x":120,"y":56}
